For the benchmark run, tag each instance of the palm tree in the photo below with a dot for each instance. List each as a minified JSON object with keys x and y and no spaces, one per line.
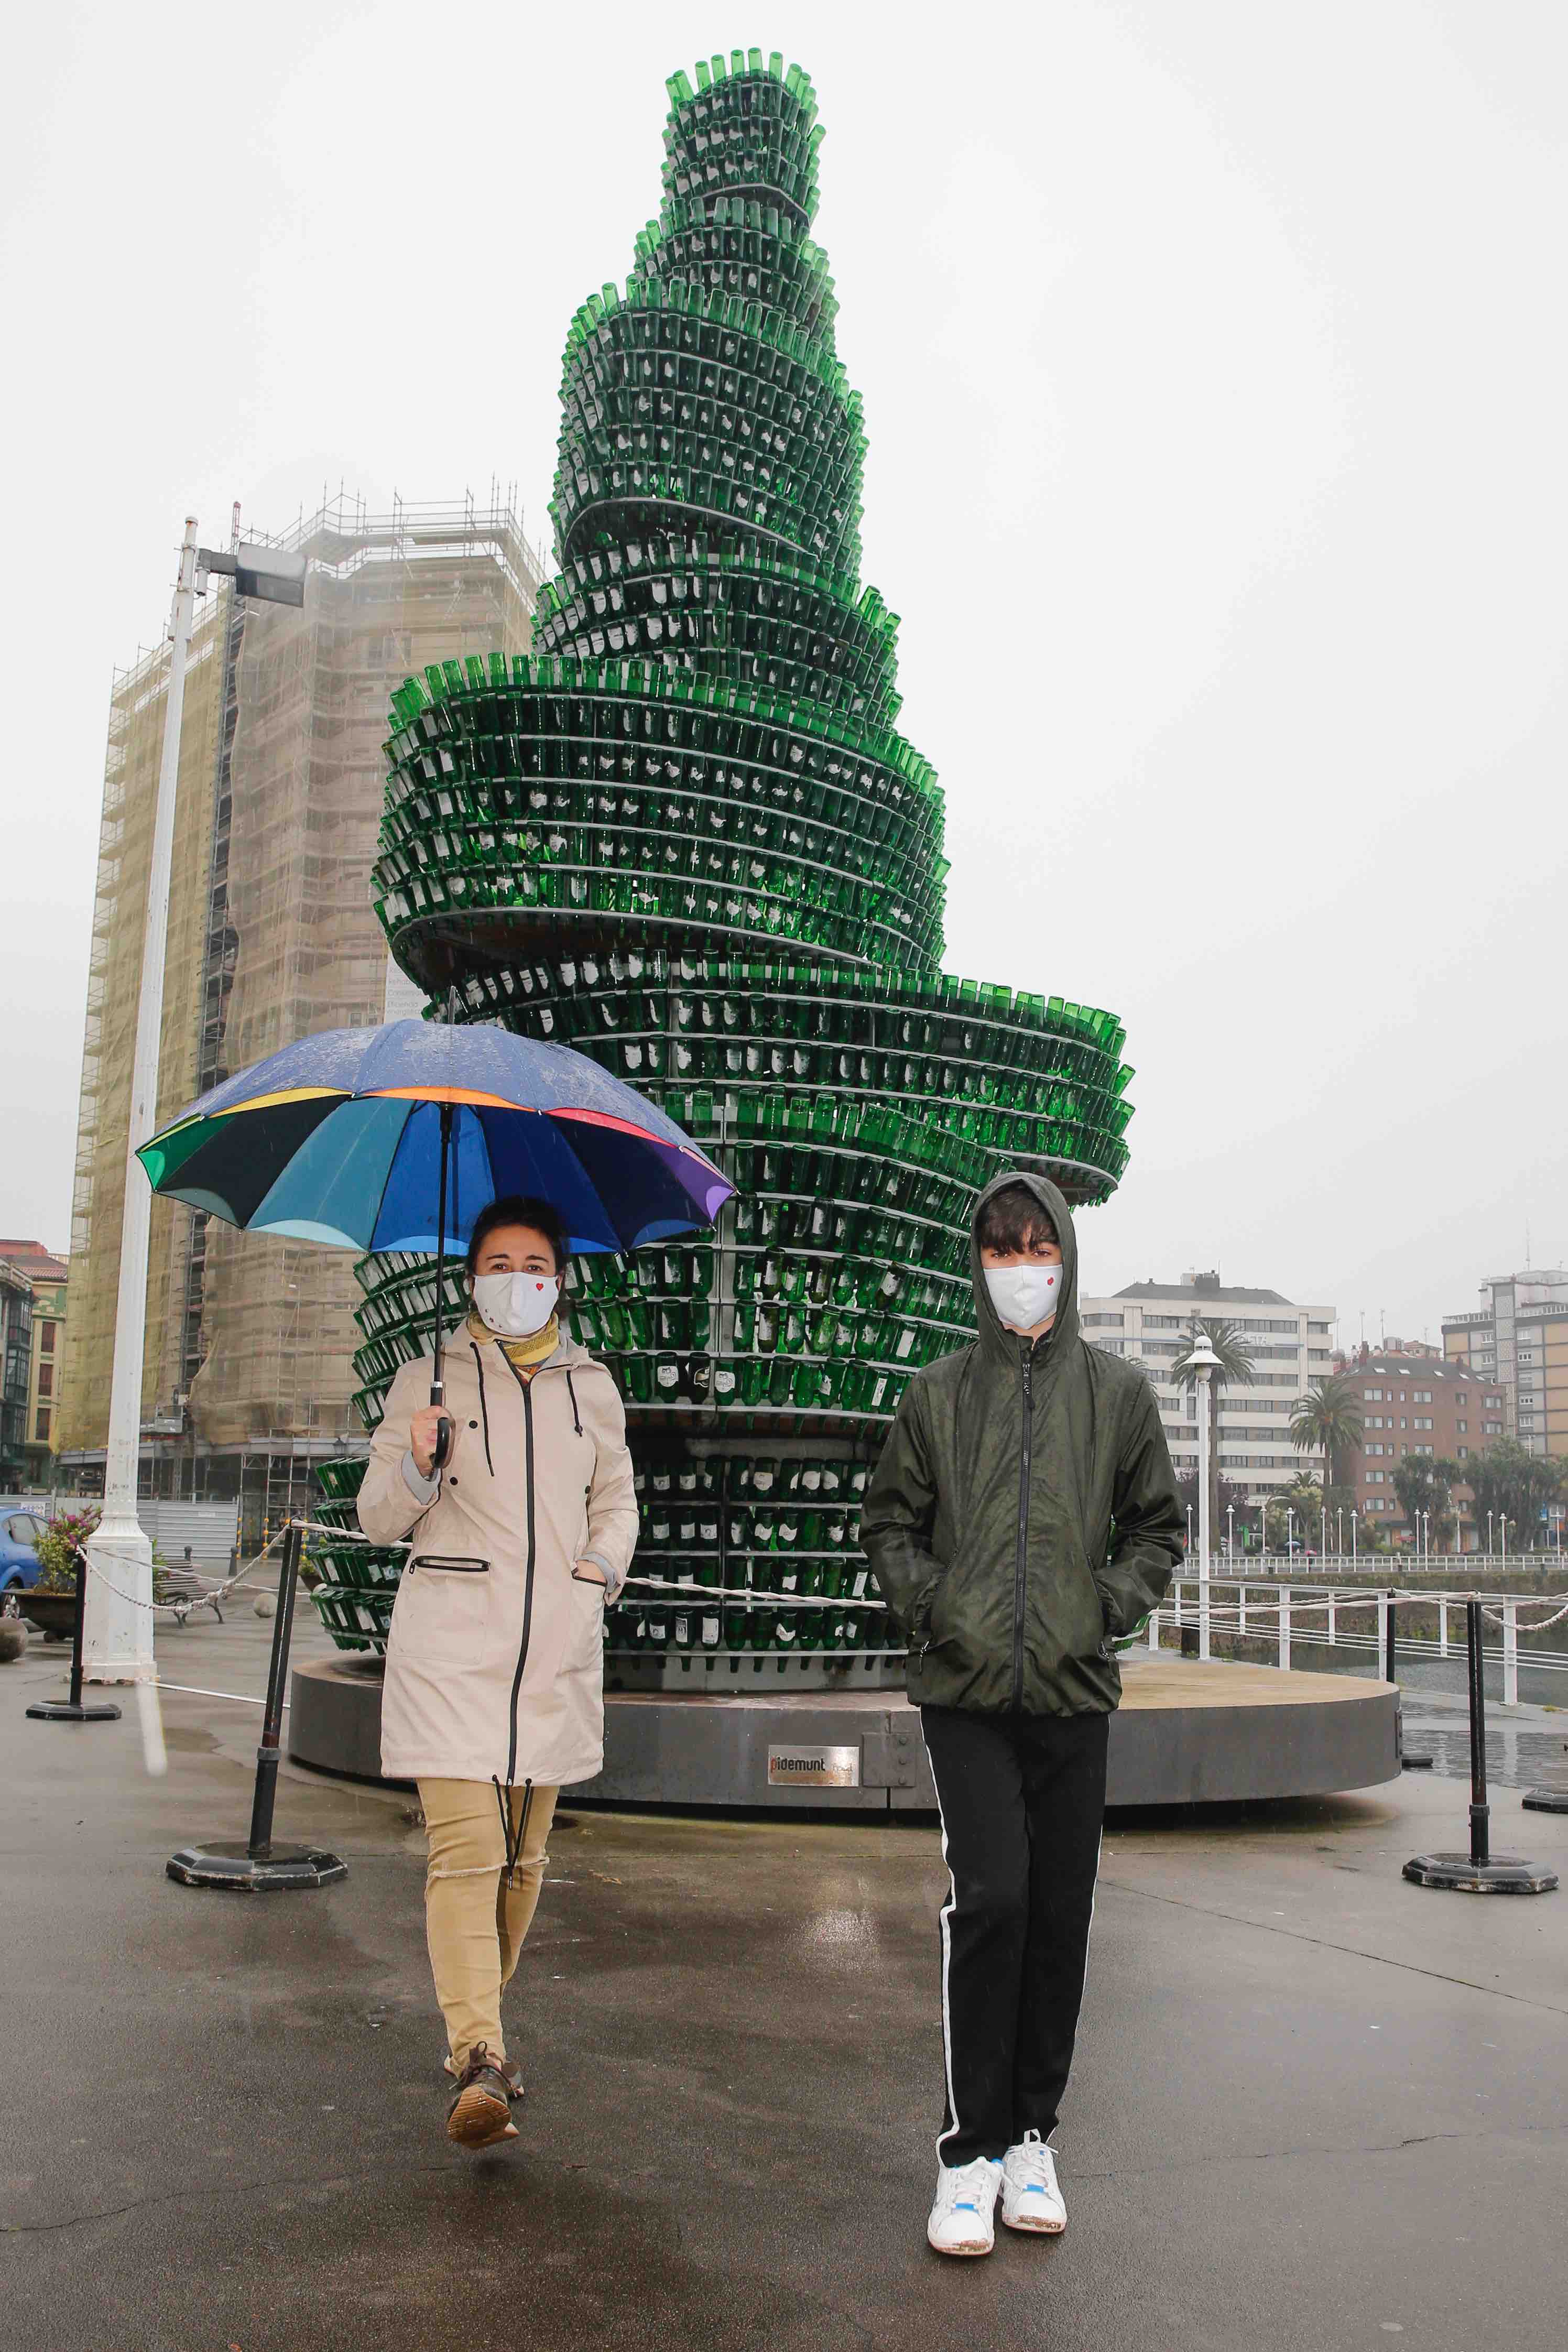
{"x":1228,"y":1341}
{"x":1329,"y":1416}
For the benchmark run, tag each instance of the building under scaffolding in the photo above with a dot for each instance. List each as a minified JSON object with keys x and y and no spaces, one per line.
{"x":247,"y":1376}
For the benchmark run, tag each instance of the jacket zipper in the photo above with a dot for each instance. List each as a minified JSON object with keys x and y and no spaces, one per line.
{"x":1023,"y":1529}
{"x":526,"y":1387}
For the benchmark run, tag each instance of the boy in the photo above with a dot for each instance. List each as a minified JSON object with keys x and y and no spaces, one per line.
{"x":989,"y":1524}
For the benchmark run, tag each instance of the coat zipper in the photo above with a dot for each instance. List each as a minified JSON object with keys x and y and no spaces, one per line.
{"x":1023,"y":1529}
{"x":526,"y":1387}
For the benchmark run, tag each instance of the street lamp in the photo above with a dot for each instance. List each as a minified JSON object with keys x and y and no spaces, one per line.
{"x":1230,"y":1533}
{"x":1203,"y":1363}
{"x":1488,"y":1538}
{"x":117,"y":1624}
{"x":1354,"y":1555}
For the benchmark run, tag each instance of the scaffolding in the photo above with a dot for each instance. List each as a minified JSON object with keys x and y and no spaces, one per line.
{"x":271,"y":937}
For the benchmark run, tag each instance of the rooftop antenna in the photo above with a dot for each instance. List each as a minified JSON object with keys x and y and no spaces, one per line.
{"x":1527,"y":1244}
{"x":234,"y":528}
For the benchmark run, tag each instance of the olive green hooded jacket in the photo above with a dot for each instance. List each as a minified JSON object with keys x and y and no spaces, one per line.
{"x":989,"y":1519}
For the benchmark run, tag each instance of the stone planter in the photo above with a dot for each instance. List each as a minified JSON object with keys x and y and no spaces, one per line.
{"x":54,"y":1614}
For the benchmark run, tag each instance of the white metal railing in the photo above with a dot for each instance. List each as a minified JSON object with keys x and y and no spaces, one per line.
{"x":1313,"y":1616}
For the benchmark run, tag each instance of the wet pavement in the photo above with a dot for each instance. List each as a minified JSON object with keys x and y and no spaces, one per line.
{"x":1314,"y":2106}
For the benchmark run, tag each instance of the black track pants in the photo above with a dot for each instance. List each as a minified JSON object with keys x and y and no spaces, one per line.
{"x":1022,"y":1799}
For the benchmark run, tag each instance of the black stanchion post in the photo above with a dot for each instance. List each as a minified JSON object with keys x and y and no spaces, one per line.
{"x":1475,"y":1675}
{"x":1479,"y":1872}
{"x":267,"y":1753}
{"x":1390,"y":1642}
{"x":258,"y":1867}
{"x":72,"y":1710}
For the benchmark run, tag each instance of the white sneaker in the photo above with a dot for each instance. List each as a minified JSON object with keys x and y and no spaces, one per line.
{"x":1031,"y":2197}
{"x":960,"y":2219}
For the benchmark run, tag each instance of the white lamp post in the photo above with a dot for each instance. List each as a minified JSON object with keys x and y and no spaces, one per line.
{"x":117,"y":1627}
{"x":1203,"y":1362}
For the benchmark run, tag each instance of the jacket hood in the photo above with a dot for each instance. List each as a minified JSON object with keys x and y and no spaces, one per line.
{"x":996,"y":1340}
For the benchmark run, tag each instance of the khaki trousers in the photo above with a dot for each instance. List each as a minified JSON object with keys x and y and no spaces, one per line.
{"x":475,"y":1915}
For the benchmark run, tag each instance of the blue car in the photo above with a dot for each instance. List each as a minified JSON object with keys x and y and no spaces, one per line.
{"x":19,"y":1533}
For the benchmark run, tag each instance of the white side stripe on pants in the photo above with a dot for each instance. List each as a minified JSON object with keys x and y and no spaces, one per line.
{"x":945,"y":1916}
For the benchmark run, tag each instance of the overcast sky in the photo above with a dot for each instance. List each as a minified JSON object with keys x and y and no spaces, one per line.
{"x":1213,"y":356}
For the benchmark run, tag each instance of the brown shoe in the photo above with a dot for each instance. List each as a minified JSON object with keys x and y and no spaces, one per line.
{"x":507,"y":2067}
{"x":478,"y":2116}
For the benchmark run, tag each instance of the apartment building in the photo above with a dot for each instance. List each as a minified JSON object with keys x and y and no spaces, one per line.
{"x":48,"y":1275}
{"x":1290,"y":1346}
{"x":1421,"y":1405}
{"x":1518,"y":1341}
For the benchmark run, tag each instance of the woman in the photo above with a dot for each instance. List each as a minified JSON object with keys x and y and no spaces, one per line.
{"x":494,"y":1697}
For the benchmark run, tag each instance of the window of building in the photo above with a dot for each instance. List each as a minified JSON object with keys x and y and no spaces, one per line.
{"x":1423,"y":1449}
{"x":45,"y":1380}
{"x":1420,"y":1396}
{"x":1374,"y":1477}
{"x":1491,"y":1429}
{"x":1462,"y":1426}
{"x":1372,"y":1396}
{"x":1492,"y":1402}
{"x":1320,"y":1330}
{"x":41,"y":1430}
{"x":1423,"y":1420}
{"x":1462,"y":1397}
{"x":46,"y":1338}
{"x":1098,"y":1322}
{"x":1164,"y":1323}
{"x":1463,"y":1453}
{"x":1373,"y":1449}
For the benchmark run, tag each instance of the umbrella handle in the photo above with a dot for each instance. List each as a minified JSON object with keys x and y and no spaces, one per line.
{"x":442,"y":1449}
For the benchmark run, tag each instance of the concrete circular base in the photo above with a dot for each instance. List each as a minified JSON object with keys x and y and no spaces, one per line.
{"x":1186,"y":1734}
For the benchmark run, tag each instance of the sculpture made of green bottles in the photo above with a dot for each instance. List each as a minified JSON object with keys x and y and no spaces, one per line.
{"x":683,"y":836}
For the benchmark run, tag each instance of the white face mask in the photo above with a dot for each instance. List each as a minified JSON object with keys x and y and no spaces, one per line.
{"x":1024,"y":1295}
{"x":516,"y":1305}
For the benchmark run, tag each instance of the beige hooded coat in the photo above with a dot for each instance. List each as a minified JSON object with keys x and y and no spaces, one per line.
{"x":495,"y":1661}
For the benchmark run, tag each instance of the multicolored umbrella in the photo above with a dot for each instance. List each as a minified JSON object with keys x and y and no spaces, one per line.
{"x":338,"y":1139}
{"x":395,"y":1138}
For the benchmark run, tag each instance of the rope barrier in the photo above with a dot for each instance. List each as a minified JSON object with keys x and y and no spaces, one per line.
{"x":177,"y":1608}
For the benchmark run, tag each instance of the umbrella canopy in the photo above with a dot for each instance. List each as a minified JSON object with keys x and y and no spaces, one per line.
{"x":338,"y":1139}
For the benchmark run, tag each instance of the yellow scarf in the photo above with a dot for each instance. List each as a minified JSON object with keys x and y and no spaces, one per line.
{"x":523,"y":1355}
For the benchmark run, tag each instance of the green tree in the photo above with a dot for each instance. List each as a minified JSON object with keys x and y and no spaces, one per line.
{"x":1234,"y":1368}
{"x":1425,"y":1483}
{"x":1513,"y":1484}
{"x":1229,"y":1496}
{"x":1329,"y":1416}
{"x":1294,"y":1514}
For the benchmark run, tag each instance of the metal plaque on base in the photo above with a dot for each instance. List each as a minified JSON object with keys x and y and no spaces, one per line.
{"x":813,"y":1768}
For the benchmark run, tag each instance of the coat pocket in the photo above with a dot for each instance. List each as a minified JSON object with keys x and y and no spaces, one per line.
{"x":443,"y":1607}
